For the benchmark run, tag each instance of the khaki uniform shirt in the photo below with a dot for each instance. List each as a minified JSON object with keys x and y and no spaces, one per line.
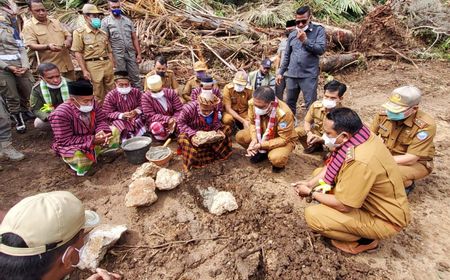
{"x":283,"y":129}
{"x":414,"y":135}
{"x":315,"y":116}
{"x":10,"y":51}
{"x":169,"y":80}
{"x":119,"y":31}
{"x":370,"y":179}
{"x":91,"y":44}
{"x":51,"y":32}
{"x":237,"y":100}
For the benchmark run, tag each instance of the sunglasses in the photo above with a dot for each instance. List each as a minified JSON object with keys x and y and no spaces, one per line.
{"x":303,"y":21}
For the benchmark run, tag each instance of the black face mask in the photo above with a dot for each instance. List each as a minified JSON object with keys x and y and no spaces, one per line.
{"x":161,"y":74}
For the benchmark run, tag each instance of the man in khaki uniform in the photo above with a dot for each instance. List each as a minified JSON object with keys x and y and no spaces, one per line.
{"x":49,"y":39}
{"x":200,"y":69}
{"x":236,"y":96}
{"x":369,"y":201}
{"x":271,"y":132}
{"x":408,"y":133}
{"x":16,"y":80}
{"x":310,"y":134}
{"x":93,"y":52}
{"x":167,"y":76}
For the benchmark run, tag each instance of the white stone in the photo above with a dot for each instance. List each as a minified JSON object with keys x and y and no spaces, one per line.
{"x":167,"y":179}
{"x":217,"y":202}
{"x":141,"y":193}
{"x":148,"y":169}
{"x":99,"y":240}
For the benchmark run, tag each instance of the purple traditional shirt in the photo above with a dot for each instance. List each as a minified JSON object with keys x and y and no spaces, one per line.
{"x":190,"y":121}
{"x":75,"y":131}
{"x":155,"y":112}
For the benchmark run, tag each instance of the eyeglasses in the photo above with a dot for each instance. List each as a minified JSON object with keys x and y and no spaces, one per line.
{"x":303,"y":21}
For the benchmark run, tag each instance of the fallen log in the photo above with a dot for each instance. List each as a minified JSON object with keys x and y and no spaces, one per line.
{"x":340,"y":37}
{"x":337,"y":62}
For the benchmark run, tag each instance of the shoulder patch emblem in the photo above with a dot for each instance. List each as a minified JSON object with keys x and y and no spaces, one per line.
{"x":422,"y":135}
{"x":350,"y":155}
{"x":420,"y":123}
{"x":283,"y":124}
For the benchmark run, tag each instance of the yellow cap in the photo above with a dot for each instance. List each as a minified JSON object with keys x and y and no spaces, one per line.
{"x":44,"y":219}
{"x":240,"y":78}
{"x":90,"y":9}
{"x":154,"y":83}
{"x":200,"y":66}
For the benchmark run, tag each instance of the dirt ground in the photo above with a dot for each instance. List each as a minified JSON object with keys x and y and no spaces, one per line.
{"x":266,"y":238}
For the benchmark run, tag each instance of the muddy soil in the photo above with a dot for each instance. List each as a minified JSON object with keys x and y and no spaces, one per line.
{"x":266,"y":238}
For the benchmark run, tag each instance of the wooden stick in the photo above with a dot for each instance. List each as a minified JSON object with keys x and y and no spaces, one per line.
{"x":232,"y":67}
{"x":405,"y":57}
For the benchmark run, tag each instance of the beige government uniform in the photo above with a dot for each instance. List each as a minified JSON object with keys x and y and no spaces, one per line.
{"x":169,"y":80}
{"x":370,"y":182}
{"x":414,"y":135}
{"x":281,"y":146}
{"x":51,"y":32}
{"x":238,"y":102}
{"x":315,"y":116}
{"x":95,"y":48}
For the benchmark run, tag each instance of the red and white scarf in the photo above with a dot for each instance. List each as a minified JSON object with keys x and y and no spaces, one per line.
{"x":338,"y":157}
{"x":269,"y":133}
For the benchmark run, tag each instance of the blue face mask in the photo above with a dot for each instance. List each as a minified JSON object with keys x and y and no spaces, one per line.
{"x":96,"y":23}
{"x":396,"y":116}
{"x":116,"y":12}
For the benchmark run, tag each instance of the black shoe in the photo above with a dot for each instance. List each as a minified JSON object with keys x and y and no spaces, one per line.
{"x":20,"y":123}
{"x":258,"y":158}
{"x":410,"y":188}
{"x":313,"y":149}
{"x":277,"y":169}
{"x":28,"y":115}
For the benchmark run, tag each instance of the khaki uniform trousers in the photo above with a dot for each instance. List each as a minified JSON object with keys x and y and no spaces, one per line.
{"x":413,"y":172}
{"x":347,"y":226}
{"x":16,"y":90}
{"x":102,"y":75}
{"x":69,"y":75}
{"x":278,"y":157}
{"x":227,"y":119}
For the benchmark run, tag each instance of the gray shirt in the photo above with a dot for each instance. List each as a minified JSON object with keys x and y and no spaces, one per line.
{"x":119,"y":32}
{"x":301,"y":60}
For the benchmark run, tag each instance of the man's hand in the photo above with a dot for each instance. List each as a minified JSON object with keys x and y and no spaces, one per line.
{"x":301,"y":35}
{"x":172,"y":124}
{"x":246,"y":124}
{"x":67,"y":43}
{"x":278,"y":79}
{"x":102,"y":274}
{"x":87,"y":75}
{"x":253,"y":148}
{"x":13,"y":69}
{"x":138,"y":58}
{"x":312,"y":139}
{"x":302,"y":190}
{"x":54,"y":48}
{"x":102,"y":138}
{"x":194,"y":141}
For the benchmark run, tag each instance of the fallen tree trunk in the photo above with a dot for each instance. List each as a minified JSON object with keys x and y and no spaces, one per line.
{"x":339,"y":37}
{"x":337,"y":62}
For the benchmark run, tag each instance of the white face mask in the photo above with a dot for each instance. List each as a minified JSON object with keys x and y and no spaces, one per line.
{"x":55,"y":87}
{"x":303,"y":29}
{"x":158,"y":95}
{"x":239,"y":88}
{"x":261,"y":112}
{"x":330,"y":142}
{"x":207,"y":91}
{"x":125,"y":90}
{"x":80,"y":254}
{"x":328,"y":103}
{"x":203,"y":115}
{"x":84,"y":108}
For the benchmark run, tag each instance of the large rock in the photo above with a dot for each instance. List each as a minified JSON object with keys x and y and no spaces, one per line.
{"x":167,"y":179}
{"x":218,"y":202}
{"x":99,"y":240}
{"x":141,"y":193}
{"x":148,"y":169}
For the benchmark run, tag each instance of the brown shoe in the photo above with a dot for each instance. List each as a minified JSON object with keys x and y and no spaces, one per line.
{"x":354,"y":247}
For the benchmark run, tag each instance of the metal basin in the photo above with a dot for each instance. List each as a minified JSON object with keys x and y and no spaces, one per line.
{"x":136,"y":148}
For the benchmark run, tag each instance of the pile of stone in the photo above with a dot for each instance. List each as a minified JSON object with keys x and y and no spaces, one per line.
{"x":146,"y":179}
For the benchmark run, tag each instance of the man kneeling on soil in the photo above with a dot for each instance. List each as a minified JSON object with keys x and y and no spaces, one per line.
{"x":41,"y":238}
{"x":49,"y":93}
{"x":80,"y":130}
{"x":369,"y":201}
{"x":271,"y":133}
